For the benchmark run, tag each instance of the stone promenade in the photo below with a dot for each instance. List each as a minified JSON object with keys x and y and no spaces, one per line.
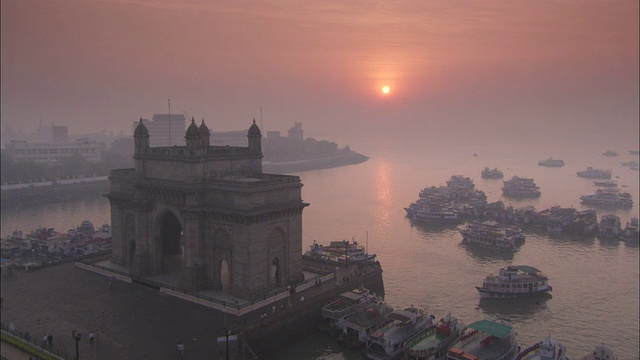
{"x":129,"y":320}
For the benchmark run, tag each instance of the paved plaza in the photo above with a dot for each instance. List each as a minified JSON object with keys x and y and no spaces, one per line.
{"x":129,"y":320}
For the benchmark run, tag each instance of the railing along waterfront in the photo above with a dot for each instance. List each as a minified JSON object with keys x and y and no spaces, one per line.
{"x":27,"y":343}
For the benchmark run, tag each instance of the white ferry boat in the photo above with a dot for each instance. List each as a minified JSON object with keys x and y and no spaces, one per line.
{"x":630,"y":231}
{"x":434,"y":212}
{"x":485,"y":340}
{"x":340,"y":252}
{"x":547,"y":349}
{"x":592,"y":173}
{"x":346,"y":304}
{"x":551,"y":162}
{"x":490,"y":234}
{"x":434,"y":342}
{"x":514,"y":281}
{"x":358,"y":326}
{"x":494,"y":173}
{"x":610,"y":226}
{"x":607,"y":197}
{"x":601,"y":353}
{"x":385,"y":341}
{"x":520,"y":187}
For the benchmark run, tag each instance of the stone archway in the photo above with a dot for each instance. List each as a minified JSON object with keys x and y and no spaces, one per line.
{"x":276,"y":258}
{"x":170,"y":239}
{"x":129,"y":243}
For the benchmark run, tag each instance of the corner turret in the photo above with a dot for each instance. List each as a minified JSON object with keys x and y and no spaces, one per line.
{"x":193,"y":139}
{"x":205,"y":134}
{"x":255,"y":138}
{"x":141,"y":138}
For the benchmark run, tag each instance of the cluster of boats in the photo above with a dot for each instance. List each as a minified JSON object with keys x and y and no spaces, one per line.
{"x":48,"y":244}
{"x":361,"y":320}
{"x":446,"y":203}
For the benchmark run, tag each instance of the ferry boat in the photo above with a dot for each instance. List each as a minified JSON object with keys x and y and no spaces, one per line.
{"x":434,"y":342}
{"x":630,"y":231}
{"x":340,"y":252}
{"x":608,"y":197}
{"x":606,"y":183}
{"x":601,"y":353}
{"x":610,"y":153}
{"x":434,"y":212}
{"x":551,"y":162}
{"x":630,"y":163}
{"x":560,"y":219}
{"x":489,"y":234}
{"x":386,"y":340}
{"x":494,"y":173}
{"x":347,"y":303}
{"x":514,"y":281}
{"x":485,"y":340}
{"x":460,"y":182}
{"x":547,"y":349}
{"x":520,"y":187}
{"x":592,"y":173}
{"x":610,"y":226}
{"x":358,"y":326}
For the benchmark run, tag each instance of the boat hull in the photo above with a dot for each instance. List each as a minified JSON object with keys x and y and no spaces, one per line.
{"x":488,"y":294}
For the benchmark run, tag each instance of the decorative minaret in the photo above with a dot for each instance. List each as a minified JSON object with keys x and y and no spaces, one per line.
{"x":205,"y":135}
{"x":255,"y":138}
{"x":141,"y":138}
{"x":192,"y":139}
{"x":141,"y":147}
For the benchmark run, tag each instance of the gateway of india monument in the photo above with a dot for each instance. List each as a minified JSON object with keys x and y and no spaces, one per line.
{"x":207,"y":216}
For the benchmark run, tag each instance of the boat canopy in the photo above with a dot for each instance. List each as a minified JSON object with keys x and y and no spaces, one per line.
{"x":493,"y":328}
{"x":526,"y":269}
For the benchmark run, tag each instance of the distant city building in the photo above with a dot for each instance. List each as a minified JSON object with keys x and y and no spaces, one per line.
{"x":21,"y":150}
{"x":295,"y":132}
{"x":165,"y":129}
{"x":60,"y":134}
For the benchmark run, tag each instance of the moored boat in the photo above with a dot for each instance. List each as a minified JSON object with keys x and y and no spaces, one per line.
{"x":547,"y":349}
{"x":385,"y":341}
{"x":592,"y":173}
{"x":358,"y":326}
{"x":514,"y":281}
{"x":610,"y":226}
{"x":630,"y":163}
{"x":520,"y":187}
{"x":346,"y":304}
{"x":551,"y":162}
{"x":606,"y":183}
{"x":485,"y":340}
{"x":601,"y":353}
{"x":340,"y":252}
{"x":608,"y":197}
{"x":489,"y":234}
{"x":610,"y":153}
{"x":434,"y":342}
{"x":494,"y":173}
{"x":630,"y":231}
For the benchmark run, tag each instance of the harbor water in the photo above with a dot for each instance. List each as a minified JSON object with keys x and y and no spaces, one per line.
{"x":595,"y":296}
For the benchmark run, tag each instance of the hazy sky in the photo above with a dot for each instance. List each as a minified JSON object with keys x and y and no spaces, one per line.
{"x":521,"y":67}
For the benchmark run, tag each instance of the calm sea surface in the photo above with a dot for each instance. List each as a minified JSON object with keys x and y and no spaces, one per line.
{"x":595,"y":283}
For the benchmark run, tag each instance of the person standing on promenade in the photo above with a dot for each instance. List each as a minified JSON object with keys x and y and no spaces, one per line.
{"x":180,"y":347}
{"x":91,"y":337}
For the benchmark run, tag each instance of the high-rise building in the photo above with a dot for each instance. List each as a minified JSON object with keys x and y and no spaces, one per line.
{"x":165,"y":129}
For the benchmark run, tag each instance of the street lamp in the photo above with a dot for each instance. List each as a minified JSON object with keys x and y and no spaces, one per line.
{"x":227,"y":332}
{"x":76,"y":335}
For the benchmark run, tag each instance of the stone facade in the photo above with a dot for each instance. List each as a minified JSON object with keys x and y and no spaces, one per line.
{"x":208,"y":213}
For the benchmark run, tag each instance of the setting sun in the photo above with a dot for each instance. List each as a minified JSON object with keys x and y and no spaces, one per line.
{"x":386,"y":89}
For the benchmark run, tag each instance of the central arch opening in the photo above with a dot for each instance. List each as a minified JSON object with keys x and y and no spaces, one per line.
{"x":170,"y":233}
{"x":225,"y":275}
